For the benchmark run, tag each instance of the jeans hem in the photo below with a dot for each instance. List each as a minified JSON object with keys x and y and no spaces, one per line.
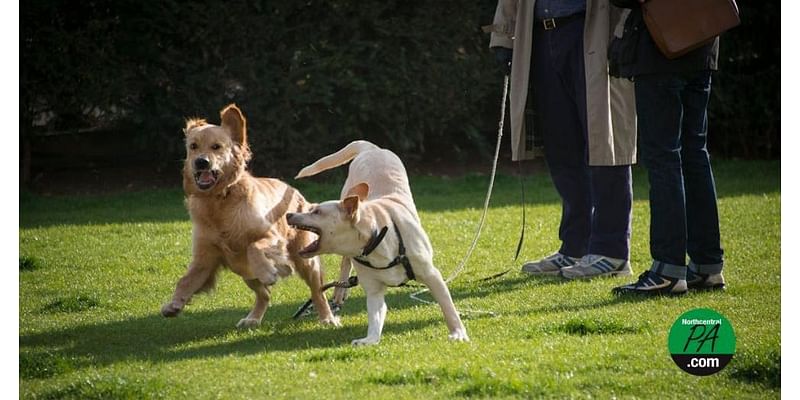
{"x":669,"y":270}
{"x":706,"y":269}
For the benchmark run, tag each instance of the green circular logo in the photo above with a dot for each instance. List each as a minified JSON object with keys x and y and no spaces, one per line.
{"x":701,"y":341}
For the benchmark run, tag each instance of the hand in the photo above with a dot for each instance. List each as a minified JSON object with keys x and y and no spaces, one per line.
{"x":503,"y":57}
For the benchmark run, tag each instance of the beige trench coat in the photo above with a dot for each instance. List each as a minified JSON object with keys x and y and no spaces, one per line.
{"x":610,"y":106}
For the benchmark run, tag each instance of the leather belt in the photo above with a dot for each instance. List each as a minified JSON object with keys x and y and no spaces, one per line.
{"x":552,"y":23}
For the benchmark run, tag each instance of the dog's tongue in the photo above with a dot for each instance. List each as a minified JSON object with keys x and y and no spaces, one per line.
{"x":206,"y":177}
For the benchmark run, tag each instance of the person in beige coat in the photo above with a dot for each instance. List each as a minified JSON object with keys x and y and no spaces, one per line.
{"x":558,"y":49}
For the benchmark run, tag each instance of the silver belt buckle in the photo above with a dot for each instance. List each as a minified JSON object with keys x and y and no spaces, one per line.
{"x":549,"y":24}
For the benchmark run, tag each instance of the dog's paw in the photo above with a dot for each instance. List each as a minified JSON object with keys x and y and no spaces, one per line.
{"x":248,"y":323}
{"x":170,"y":310}
{"x":367,"y":341}
{"x":332,"y":320}
{"x":458,"y":335}
{"x":268,"y":276}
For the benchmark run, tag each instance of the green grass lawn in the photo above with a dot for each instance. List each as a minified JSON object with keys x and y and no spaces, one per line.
{"x":94,"y":272}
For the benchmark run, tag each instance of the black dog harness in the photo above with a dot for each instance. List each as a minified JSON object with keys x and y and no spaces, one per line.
{"x":373,"y":243}
{"x":401,"y":253}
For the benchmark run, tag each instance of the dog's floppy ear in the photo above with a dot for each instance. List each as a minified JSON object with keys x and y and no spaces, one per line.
{"x":234,"y":122}
{"x":350,"y":206}
{"x":361,"y":190}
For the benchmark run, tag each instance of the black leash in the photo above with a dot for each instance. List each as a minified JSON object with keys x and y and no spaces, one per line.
{"x":306,"y":307}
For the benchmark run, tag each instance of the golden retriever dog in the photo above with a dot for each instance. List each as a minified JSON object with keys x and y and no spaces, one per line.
{"x":238,"y":221}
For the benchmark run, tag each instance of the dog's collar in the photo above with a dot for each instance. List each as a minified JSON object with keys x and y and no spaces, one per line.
{"x":374,"y":241}
{"x":401,"y":253}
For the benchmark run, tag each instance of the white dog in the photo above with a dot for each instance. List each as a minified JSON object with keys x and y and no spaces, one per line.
{"x":376,"y":224}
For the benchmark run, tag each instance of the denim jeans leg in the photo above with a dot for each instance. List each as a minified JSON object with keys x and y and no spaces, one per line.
{"x":572,"y":185}
{"x":557,"y":66}
{"x":612,"y":195}
{"x":702,"y":217}
{"x":660,"y":113}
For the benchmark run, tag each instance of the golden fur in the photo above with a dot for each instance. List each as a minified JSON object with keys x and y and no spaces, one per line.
{"x":238,"y":220}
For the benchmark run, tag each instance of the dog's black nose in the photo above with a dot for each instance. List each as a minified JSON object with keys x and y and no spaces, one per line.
{"x":201,"y":163}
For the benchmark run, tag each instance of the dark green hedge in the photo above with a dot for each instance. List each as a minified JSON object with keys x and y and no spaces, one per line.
{"x":416,"y":76}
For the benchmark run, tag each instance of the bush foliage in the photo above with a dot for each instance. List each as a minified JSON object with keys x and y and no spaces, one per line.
{"x":416,"y":76}
{"x":745,"y":106}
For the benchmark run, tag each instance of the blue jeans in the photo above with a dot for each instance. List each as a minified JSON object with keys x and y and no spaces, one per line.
{"x":596,"y":201}
{"x":673,"y":123}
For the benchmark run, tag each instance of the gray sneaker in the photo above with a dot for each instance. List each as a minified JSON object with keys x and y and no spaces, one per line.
{"x":593,"y":265}
{"x":695,"y":280}
{"x":550,"y":265}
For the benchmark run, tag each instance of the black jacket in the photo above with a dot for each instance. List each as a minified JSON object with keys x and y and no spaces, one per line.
{"x":636,"y":53}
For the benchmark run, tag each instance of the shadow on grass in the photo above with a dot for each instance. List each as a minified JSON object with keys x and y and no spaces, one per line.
{"x":762,"y":365}
{"x":477,"y":290}
{"x":211,"y":333}
{"x":399,"y":298}
{"x":200,"y":334}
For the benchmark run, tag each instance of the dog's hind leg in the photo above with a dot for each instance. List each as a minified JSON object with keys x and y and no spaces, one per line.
{"x":253,"y":319}
{"x":340,"y":293}
{"x":311,"y":272}
{"x":433,"y":280}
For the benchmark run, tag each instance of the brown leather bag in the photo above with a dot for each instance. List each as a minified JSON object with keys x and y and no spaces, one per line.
{"x":680,"y":26}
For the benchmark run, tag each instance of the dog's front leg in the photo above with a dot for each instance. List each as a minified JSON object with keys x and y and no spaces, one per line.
{"x":376,"y":311}
{"x":340,"y":293}
{"x":197,"y":277}
{"x":433,"y":280}
{"x":263,"y":257}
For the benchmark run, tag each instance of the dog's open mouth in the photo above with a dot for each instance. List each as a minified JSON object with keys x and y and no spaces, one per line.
{"x":313,"y":248}
{"x":206,"y":179}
